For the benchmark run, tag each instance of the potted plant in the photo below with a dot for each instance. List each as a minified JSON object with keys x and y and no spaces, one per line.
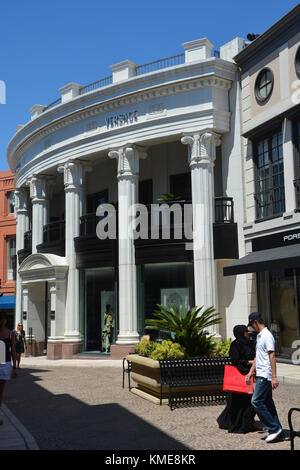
{"x":188,"y":337}
{"x":171,"y":197}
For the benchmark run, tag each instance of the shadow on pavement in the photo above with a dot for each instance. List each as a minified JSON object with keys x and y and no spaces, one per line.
{"x":63,"y":422}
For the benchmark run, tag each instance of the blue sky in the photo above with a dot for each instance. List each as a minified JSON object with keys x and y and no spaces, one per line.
{"x":45,"y":45}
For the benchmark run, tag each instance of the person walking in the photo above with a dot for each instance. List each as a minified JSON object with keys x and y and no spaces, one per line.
{"x":20,"y":343}
{"x":7,"y":354}
{"x":264,"y":367}
{"x":238,"y":416}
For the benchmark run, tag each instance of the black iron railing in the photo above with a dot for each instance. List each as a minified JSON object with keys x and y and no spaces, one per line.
{"x":224,"y":210}
{"x":53,"y":104}
{"x":54,"y":232}
{"x":88,"y":224}
{"x":95,"y":85}
{"x":28,"y":240}
{"x":140,"y":70}
{"x":160,"y":64}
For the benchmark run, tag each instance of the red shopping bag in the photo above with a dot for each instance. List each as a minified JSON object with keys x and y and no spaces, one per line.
{"x":234,"y":381}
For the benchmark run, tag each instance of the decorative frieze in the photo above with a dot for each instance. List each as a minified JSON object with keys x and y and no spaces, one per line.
{"x":116,"y":103}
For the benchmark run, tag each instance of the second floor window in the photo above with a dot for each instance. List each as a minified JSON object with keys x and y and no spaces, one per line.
{"x":11,"y":203}
{"x":269,"y":178}
{"x":11,"y":259}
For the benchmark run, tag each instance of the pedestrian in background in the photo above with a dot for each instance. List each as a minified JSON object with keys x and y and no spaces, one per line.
{"x":20,"y":344}
{"x":7,"y":355}
{"x":238,"y":416}
{"x":264,"y":366}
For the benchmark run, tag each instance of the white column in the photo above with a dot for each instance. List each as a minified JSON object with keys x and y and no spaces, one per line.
{"x":38,"y":189}
{"x":73,"y":180}
{"x":128,"y":175}
{"x":22,"y":226}
{"x":289,"y":166}
{"x":202,"y":154}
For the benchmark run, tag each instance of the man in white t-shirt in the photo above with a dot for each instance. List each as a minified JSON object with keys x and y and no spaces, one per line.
{"x":264,"y":367}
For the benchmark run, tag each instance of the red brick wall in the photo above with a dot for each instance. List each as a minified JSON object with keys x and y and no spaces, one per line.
{"x":7,"y":229}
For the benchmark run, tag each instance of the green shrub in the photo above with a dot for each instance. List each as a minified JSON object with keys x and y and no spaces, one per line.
{"x":167,"y":350}
{"x":157,"y":351}
{"x":222,"y":348}
{"x":188,"y":328}
{"x":145,"y":347}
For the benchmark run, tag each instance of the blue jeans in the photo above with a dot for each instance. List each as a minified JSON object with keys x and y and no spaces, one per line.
{"x":263,"y":404}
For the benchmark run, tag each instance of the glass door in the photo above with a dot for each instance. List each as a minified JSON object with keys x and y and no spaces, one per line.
{"x":100,"y":309}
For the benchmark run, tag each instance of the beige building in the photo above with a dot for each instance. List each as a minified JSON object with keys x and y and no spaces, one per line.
{"x":270,"y":110}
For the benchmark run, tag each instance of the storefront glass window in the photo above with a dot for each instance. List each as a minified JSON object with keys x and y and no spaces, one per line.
{"x":99,"y":308}
{"x":284,"y":309}
{"x":279,"y":295}
{"x":166,"y":284}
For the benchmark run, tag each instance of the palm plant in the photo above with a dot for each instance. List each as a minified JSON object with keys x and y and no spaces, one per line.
{"x":188,"y":328}
{"x":170,"y":197}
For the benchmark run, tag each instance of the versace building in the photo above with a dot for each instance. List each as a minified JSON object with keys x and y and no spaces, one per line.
{"x":169,"y":127}
{"x":270,"y":84}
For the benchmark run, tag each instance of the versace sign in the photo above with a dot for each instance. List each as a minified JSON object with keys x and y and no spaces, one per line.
{"x":121,"y":119}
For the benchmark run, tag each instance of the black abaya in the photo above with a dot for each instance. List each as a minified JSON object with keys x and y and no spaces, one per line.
{"x":238,"y":416}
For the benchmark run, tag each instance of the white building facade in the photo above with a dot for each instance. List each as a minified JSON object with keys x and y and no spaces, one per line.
{"x":172,"y":126}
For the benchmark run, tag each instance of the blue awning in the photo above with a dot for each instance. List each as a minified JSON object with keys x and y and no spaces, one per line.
{"x":7,"y":302}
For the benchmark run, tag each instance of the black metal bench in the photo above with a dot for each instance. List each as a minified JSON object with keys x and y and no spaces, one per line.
{"x":126,"y":370}
{"x":293,"y":433}
{"x":196,"y":381}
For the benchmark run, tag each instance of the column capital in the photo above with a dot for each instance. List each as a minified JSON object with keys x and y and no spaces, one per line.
{"x":73,"y":172}
{"x":21,"y":201}
{"x":128,"y":158}
{"x":202,"y":146}
{"x":37,"y":188}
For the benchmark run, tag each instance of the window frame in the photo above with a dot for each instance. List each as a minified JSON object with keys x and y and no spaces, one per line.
{"x":297,"y":62}
{"x":259,"y":209}
{"x":11,"y":259}
{"x":257,"y":90}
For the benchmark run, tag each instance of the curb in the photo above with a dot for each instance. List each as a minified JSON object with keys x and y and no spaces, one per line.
{"x":288,"y":380}
{"x":29,"y":440}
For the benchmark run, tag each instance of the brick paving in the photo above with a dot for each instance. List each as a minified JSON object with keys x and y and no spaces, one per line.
{"x":86,"y":408}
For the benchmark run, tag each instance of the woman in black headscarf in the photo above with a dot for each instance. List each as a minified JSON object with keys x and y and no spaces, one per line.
{"x":238,"y":416}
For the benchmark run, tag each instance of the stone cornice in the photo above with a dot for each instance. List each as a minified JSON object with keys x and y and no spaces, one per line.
{"x":183,"y":85}
{"x":220,"y":66}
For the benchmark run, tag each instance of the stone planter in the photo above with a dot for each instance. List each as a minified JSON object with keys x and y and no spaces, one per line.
{"x":145,"y":372}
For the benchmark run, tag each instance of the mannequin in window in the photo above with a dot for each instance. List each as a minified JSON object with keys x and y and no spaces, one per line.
{"x":107,"y":333}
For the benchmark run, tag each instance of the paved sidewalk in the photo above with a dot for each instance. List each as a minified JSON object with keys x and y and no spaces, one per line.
{"x":14,"y":436}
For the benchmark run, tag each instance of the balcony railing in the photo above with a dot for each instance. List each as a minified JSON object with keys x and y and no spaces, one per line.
{"x":224,"y":214}
{"x":160,"y":64}
{"x":140,"y":70}
{"x":28,"y":240}
{"x":88,"y":224}
{"x":54,"y":232}
{"x":95,"y":85}
{"x":224,"y":210}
